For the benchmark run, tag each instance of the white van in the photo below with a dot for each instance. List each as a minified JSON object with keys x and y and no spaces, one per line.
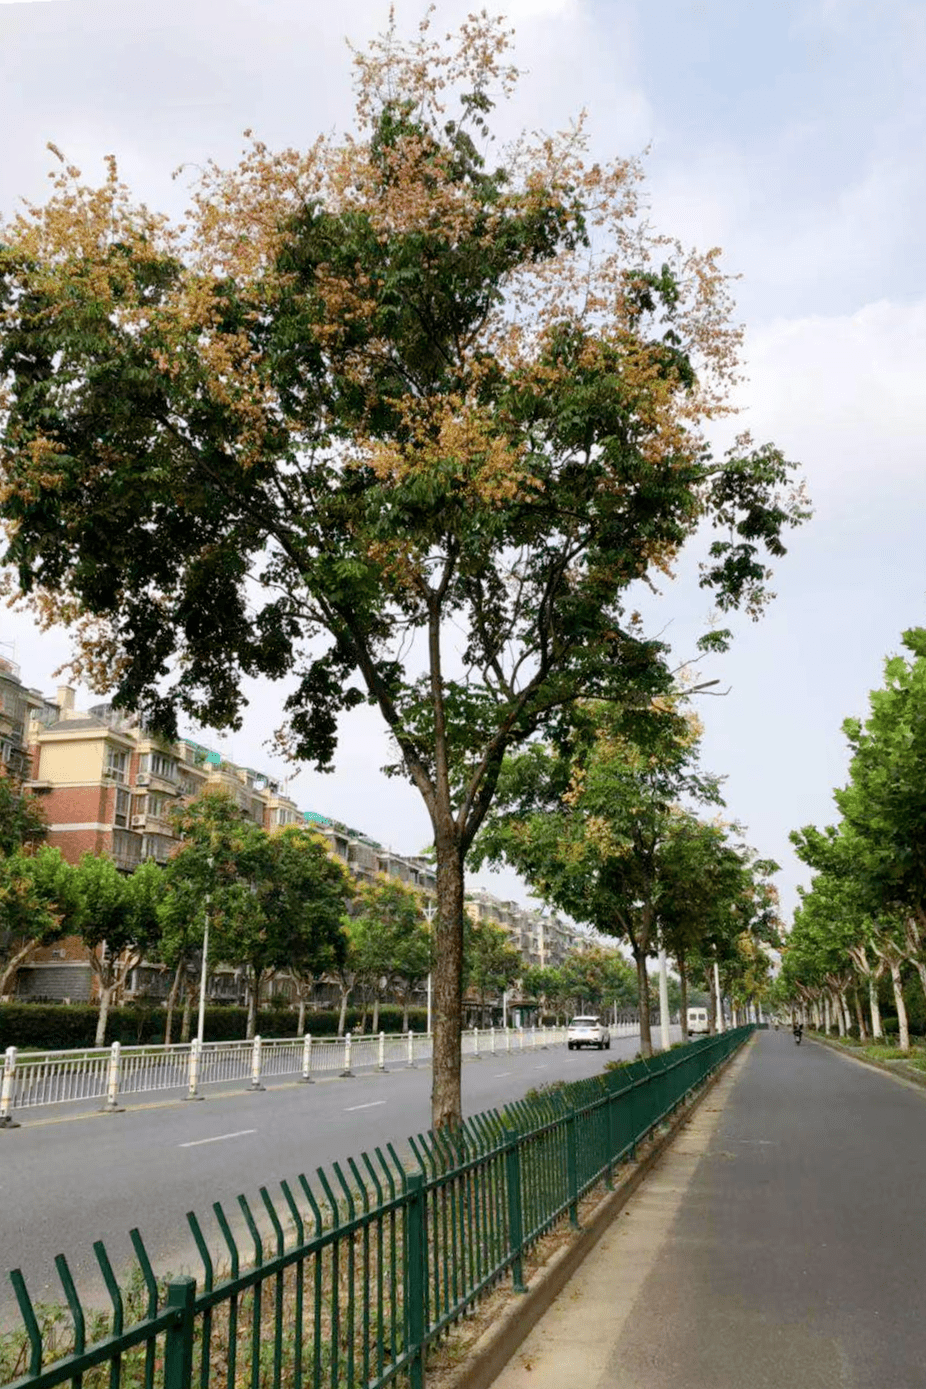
{"x":697,"y":1021}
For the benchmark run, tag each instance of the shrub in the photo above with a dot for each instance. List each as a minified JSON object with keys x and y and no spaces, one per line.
{"x":60,"y":1027}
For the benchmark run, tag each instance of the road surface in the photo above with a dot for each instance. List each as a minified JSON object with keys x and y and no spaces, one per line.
{"x":779,"y":1245}
{"x":66,"y":1182}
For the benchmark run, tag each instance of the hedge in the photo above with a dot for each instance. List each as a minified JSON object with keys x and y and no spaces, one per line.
{"x":60,"y":1026}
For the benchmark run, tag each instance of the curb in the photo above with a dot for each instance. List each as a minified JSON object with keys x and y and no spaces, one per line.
{"x":889,"y":1068}
{"x":495,"y":1347}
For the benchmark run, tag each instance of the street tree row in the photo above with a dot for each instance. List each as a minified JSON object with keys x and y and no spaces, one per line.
{"x":604,"y":824}
{"x":864,"y":915}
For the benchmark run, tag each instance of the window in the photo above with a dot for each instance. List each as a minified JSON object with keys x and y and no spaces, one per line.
{"x":126,"y":849}
{"x":116,"y":764}
{"x":122,"y":808}
{"x":157,"y":846}
{"x":163,"y":766}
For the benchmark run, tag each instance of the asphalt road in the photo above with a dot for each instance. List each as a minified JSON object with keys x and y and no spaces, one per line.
{"x":65,"y":1182}
{"x":779,"y":1245}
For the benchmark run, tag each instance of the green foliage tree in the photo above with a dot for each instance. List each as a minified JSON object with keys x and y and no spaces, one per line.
{"x":595,"y":979}
{"x":38,"y":903}
{"x":377,"y":394}
{"x":274,"y":901}
{"x":590,"y":823}
{"x":391,"y":940}
{"x":866,"y":909}
{"x":115,"y":921}
{"x":22,"y":819}
{"x":491,"y":962}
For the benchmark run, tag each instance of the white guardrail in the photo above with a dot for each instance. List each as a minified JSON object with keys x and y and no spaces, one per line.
{"x":111,"y":1073}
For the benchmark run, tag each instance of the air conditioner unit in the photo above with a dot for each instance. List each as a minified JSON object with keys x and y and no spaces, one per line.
{"x":142,"y":779}
{"x":139,"y":822}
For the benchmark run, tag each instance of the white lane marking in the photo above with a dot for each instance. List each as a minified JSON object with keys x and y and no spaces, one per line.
{"x":499,"y":1074}
{"x":541,"y":1068}
{"x":372,"y":1105}
{"x":219,"y":1138}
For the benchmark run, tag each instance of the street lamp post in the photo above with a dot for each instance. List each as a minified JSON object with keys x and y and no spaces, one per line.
{"x":201,"y":1021}
{"x":429,"y":912}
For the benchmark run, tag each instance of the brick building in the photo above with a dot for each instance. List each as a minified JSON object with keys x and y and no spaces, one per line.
{"x":108,"y":787}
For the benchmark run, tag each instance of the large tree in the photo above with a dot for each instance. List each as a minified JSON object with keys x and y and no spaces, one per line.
{"x":274,"y":901}
{"x":383,"y":417}
{"x":590,"y":823}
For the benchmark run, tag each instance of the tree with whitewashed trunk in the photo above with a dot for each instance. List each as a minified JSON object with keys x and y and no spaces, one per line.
{"x":117,"y":919}
{"x":383,"y":417}
{"x":870,"y":968}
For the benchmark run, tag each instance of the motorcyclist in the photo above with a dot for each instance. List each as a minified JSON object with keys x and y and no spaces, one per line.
{"x":798,"y":1031}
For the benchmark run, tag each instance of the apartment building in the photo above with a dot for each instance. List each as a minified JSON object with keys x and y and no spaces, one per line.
{"x":19,"y":706}
{"x":108,"y":787}
{"x":541,"y":937}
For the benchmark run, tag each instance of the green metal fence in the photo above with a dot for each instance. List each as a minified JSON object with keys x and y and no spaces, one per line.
{"x":351,"y":1280}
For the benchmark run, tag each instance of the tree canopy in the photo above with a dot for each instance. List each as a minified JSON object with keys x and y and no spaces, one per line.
{"x":382,"y":416}
{"x":865,"y":910}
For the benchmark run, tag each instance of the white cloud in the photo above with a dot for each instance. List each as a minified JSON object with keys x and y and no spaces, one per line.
{"x":846,"y":392}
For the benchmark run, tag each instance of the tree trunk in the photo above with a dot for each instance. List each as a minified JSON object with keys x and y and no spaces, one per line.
{"x":712,"y":1005}
{"x":646,"y":1036}
{"x":874,"y":1007}
{"x":904,"y":1030}
{"x":920,"y":967}
{"x":860,"y":1016}
{"x":186,"y":1020}
{"x":342,"y":1019}
{"x":253,"y":1004}
{"x":106,"y":991}
{"x":447,"y":998}
{"x":683,"y":981}
{"x":839,"y":1003}
{"x":172,"y":1001}
{"x":12,"y":966}
{"x":375,"y":1027}
{"x":300,"y":1019}
{"x":405,"y":1006}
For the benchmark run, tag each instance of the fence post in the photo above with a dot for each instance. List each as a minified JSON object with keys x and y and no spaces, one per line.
{"x":192,"y":1092}
{"x":6,"y":1090}
{"x":411,"y":1049}
{"x":521,"y":1038}
{"x":545,"y":1031}
{"x":255,"y":1066}
{"x":347,"y":1073}
{"x":382,"y":1051}
{"x":515,"y":1220}
{"x":112,"y":1082}
{"x":612,"y":1139}
{"x":307,"y":1059}
{"x":476,"y":1056}
{"x":572,"y":1166}
{"x":492,"y":1039}
{"x":508,"y":1039}
{"x":415,"y":1255}
{"x":178,"y":1339}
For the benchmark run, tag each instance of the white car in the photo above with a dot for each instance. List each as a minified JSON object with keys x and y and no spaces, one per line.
{"x":698,"y":1024}
{"x":588,"y":1032}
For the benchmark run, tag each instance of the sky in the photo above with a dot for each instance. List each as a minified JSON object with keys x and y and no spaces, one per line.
{"x":790,"y":134}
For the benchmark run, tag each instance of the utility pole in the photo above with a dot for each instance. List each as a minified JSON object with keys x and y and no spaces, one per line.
{"x":664,"y":999}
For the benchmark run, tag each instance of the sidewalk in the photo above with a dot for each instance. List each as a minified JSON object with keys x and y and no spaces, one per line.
{"x":779,"y":1243}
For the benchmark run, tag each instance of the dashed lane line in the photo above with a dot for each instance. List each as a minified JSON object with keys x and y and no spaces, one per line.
{"x":219,"y":1138}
